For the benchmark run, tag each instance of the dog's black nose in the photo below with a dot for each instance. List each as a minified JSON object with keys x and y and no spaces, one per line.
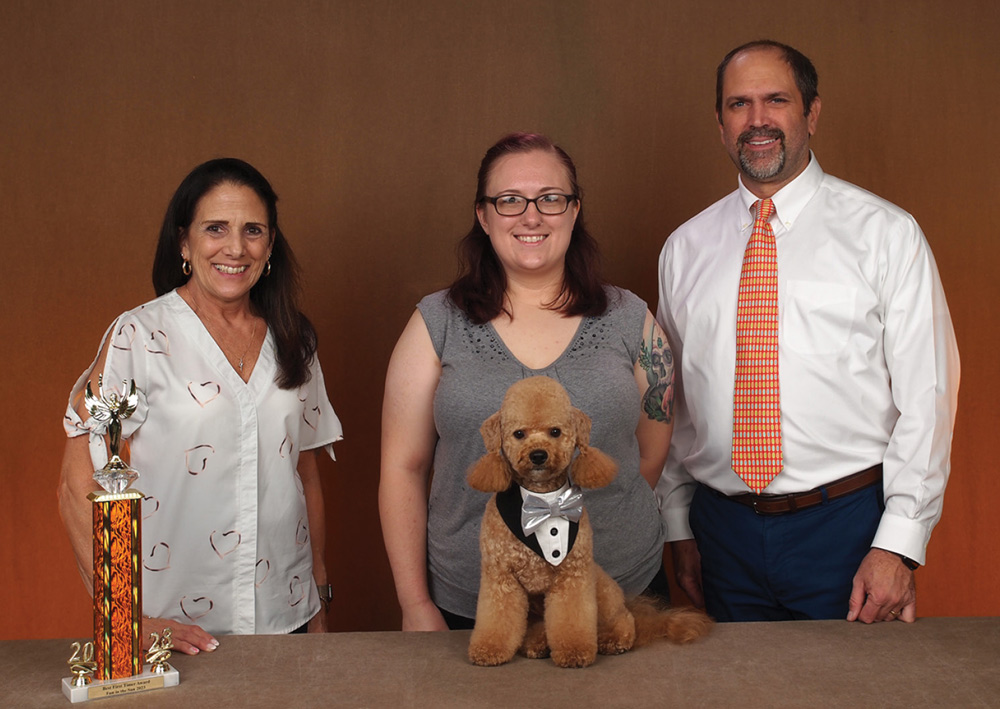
{"x":538,"y":456}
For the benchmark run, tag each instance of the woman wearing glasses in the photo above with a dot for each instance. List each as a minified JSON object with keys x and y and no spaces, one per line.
{"x":529,"y":301}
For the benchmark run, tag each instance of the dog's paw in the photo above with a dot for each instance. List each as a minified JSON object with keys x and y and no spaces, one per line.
{"x":535,"y":644}
{"x":619,"y":637}
{"x":535,"y":652}
{"x":575,"y":657}
{"x":488,"y":655}
{"x":615,"y":645}
{"x":534,"y":648}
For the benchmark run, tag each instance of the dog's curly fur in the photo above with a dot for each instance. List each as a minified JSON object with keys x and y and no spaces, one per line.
{"x":583,"y":609}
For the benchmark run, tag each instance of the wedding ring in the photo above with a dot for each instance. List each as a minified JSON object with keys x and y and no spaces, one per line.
{"x":893,"y":613}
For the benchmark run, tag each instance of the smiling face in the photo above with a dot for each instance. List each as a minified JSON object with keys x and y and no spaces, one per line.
{"x":530,"y":243}
{"x":228,"y":243}
{"x":763,"y":122}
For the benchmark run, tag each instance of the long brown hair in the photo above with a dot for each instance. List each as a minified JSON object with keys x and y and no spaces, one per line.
{"x":275,"y":296}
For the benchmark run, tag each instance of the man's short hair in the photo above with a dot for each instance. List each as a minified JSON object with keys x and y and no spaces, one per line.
{"x":806,"y":77}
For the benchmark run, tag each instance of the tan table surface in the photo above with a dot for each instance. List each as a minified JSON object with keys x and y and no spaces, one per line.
{"x":946,"y":662}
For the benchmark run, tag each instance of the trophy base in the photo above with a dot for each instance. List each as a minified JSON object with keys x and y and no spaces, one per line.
{"x":101,"y":688}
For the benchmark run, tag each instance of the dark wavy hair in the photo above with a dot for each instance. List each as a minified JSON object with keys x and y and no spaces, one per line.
{"x":806,"y":78}
{"x":481,"y":284}
{"x":274,"y":297}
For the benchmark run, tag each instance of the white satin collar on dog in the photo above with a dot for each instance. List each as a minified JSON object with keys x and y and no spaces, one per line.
{"x":552,"y":534}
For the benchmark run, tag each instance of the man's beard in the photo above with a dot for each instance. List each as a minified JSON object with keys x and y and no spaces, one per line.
{"x":761,"y":168}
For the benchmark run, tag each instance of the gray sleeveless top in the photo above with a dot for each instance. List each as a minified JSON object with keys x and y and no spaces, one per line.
{"x":597,"y":369}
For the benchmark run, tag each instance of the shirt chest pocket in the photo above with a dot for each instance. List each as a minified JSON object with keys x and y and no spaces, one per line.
{"x":818,"y":316}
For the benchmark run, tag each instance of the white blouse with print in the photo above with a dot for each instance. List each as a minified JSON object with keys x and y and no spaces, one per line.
{"x":225,"y":534}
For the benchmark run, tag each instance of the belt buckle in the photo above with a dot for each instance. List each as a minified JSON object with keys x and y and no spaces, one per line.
{"x":790,"y":499}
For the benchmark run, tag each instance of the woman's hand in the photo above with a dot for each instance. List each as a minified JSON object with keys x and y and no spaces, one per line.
{"x":423,"y":616}
{"x":188,"y":639}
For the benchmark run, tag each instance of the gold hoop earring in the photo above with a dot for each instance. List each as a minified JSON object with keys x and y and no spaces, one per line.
{"x":186,"y":267}
{"x":267,"y":269}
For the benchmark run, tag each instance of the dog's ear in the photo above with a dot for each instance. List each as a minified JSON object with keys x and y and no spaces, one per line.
{"x":490,"y":473}
{"x":592,"y":468}
{"x":581,"y":424}
{"x":490,"y":431}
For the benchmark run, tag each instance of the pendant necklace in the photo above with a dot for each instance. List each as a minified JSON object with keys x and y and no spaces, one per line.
{"x":252,"y":333}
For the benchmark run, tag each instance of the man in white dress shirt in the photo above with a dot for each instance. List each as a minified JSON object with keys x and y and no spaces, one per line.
{"x":867,"y":368}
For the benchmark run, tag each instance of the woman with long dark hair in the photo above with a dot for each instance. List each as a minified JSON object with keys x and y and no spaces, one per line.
{"x":529,"y":301}
{"x":233,"y":412}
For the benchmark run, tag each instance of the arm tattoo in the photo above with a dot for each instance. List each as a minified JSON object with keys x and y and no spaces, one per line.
{"x":657,"y":360}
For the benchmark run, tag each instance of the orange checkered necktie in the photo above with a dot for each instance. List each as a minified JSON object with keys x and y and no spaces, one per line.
{"x":756,"y":402}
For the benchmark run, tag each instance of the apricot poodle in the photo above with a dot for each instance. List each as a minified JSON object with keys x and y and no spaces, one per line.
{"x":580,"y":610}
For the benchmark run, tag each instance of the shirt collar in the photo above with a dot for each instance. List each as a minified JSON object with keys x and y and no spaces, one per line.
{"x":789,"y":201}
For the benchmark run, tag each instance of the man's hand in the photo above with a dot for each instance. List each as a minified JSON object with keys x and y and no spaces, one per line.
{"x":884,"y":589}
{"x":687,"y":569}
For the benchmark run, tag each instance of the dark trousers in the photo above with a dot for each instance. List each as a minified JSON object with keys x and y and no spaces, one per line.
{"x":795,"y":566}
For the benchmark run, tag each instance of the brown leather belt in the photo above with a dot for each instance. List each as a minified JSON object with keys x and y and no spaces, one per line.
{"x":793,"y":502}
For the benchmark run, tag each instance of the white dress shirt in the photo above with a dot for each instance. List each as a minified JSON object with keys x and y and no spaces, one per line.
{"x":225,"y":534}
{"x":868,"y":362}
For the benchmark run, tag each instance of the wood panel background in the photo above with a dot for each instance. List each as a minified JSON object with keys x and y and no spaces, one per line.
{"x":370,"y":119}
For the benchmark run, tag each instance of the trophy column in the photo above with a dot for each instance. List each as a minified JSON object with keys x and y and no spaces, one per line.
{"x":117,"y":584}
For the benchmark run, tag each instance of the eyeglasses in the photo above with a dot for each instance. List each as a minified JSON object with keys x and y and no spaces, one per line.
{"x":511,"y":205}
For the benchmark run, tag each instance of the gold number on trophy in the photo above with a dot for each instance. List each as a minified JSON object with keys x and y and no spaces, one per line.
{"x":159,"y":651}
{"x":82,"y":654}
{"x":81,"y":663}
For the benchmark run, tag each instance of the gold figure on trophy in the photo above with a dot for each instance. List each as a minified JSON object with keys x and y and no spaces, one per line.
{"x":116,"y":476}
{"x":81,"y":664}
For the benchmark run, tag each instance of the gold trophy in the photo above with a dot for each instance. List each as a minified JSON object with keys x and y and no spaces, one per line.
{"x":117,"y":658}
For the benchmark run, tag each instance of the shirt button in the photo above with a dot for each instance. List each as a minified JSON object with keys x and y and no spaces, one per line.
{"x":555,"y":554}
{"x":554,"y":532}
